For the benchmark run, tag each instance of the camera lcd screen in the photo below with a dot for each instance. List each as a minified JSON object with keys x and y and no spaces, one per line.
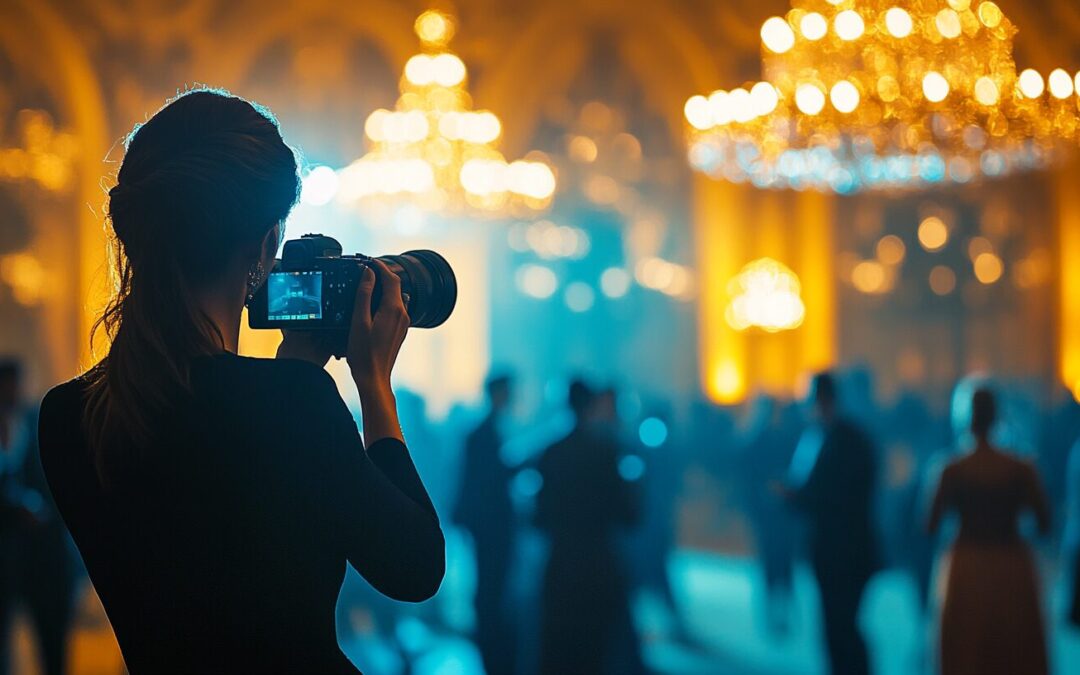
{"x":294,"y":296}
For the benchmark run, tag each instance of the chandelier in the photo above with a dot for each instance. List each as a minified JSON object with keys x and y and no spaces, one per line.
{"x":434,"y":149}
{"x":884,"y":94}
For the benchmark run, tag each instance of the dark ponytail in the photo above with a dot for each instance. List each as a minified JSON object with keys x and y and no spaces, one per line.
{"x":203,"y":180}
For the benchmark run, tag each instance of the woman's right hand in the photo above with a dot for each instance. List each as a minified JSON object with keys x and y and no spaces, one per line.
{"x":374,"y":341}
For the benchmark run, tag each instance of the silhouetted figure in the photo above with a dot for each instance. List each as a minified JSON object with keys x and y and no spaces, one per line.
{"x":485,"y":510}
{"x":217,"y":499}
{"x":581,"y":505}
{"x":37,"y":565}
{"x":763,"y":461}
{"x":834,"y":477}
{"x":991,"y":620}
{"x":1071,"y":544}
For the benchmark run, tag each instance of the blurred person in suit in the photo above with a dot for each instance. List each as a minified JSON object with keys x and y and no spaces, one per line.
{"x":38,"y":568}
{"x":485,"y":510}
{"x":582,"y":505}
{"x":833,"y":482}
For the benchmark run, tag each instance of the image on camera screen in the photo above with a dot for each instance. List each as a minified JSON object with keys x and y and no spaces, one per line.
{"x":294,"y":296}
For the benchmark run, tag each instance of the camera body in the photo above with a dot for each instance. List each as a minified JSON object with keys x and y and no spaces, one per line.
{"x":313,"y":287}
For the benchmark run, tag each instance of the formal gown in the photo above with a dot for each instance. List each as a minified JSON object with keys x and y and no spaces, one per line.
{"x":991,"y":621}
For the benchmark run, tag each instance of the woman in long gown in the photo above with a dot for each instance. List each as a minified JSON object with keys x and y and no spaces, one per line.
{"x":991,"y":619}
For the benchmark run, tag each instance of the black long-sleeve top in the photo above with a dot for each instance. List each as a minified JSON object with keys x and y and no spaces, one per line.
{"x":223,"y":548}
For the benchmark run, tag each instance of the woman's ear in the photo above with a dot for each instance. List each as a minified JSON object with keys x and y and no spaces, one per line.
{"x":270,"y":244}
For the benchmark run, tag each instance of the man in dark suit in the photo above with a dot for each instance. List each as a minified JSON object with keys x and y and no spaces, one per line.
{"x":485,"y":510}
{"x":834,"y":474}
{"x":581,"y":506}
{"x":37,"y":560}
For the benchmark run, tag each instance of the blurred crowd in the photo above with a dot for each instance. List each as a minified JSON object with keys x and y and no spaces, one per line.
{"x":566,"y":519}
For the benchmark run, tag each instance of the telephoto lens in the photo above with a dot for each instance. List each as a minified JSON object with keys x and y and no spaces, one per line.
{"x":430,"y":285}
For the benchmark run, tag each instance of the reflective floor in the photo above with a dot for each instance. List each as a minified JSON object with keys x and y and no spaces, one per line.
{"x":718,"y":600}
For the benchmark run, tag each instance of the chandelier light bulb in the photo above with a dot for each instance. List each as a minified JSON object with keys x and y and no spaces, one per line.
{"x":1061,"y":84}
{"x":697,"y":112}
{"x":764,"y":98}
{"x":948,"y":23}
{"x":898,"y":22}
{"x":718,"y":107}
{"x":814,"y":26}
{"x":777,"y":35}
{"x":849,"y":25}
{"x":990,"y":14}
{"x":986,"y":91}
{"x":935,"y":87}
{"x":1031,"y":83}
{"x":844,"y":96}
{"x":809,"y":99}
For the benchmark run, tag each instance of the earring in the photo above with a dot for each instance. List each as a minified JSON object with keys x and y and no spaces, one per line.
{"x":254,"y":280}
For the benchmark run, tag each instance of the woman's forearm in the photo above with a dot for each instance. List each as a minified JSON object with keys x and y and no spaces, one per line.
{"x":378,"y":408}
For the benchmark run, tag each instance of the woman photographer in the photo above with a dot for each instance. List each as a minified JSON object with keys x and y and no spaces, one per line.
{"x":215,"y":498}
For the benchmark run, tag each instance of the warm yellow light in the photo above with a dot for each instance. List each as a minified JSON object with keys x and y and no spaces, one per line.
{"x":870,"y":277}
{"x":898,"y":22}
{"x":1031,"y":83}
{"x":844,"y":96}
{"x":434,"y":28}
{"x":719,"y":107}
{"x":948,"y":23}
{"x":697,"y":112}
{"x":960,"y":5}
{"x":814,"y":26}
{"x":988,"y":268}
{"x":891,"y":250}
{"x":765,"y":294}
{"x":809,"y":99}
{"x":888,"y":88}
{"x":990,"y":15}
{"x":777,"y":35}
{"x":764,"y":98}
{"x":448,"y":70}
{"x":849,"y":25}
{"x":933,"y":234}
{"x":726,"y":383}
{"x":1061,"y":84}
{"x":582,"y":149}
{"x":419,"y":71}
{"x":742,"y":106}
{"x":935,"y":87}
{"x":942,"y":280}
{"x":986,"y":91}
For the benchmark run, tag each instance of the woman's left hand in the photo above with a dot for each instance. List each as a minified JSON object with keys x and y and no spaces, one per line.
{"x":313,"y":346}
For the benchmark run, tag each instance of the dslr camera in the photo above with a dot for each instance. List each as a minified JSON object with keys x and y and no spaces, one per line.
{"x":313,"y":287}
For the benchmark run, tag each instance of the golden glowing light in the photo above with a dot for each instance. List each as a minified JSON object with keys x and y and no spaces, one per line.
{"x":434,"y":28}
{"x":844,"y":96}
{"x":810,"y":99}
{"x":948,"y":23}
{"x":986,"y":91}
{"x":697,"y":112}
{"x":849,"y":25}
{"x":870,"y":277}
{"x":1031,"y":83}
{"x":1061,"y":84}
{"x":765,"y":294}
{"x":777,"y":35}
{"x":898,"y":22}
{"x":942,"y":280}
{"x":979,"y":245}
{"x":764,"y":98}
{"x":814,"y":26}
{"x":891,"y":250}
{"x":24,"y":274}
{"x":933,"y":233}
{"x":990,"y":14}
{"x":935,"y":87}
{"x":988,"y":268}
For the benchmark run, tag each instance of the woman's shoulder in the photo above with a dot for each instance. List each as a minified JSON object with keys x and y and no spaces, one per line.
{"x":65,"y":399}
{"x":261,"y":372}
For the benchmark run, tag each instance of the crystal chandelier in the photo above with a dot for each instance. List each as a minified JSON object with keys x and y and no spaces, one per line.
{"x":434,"y":149}
{"x":880,"y":94}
